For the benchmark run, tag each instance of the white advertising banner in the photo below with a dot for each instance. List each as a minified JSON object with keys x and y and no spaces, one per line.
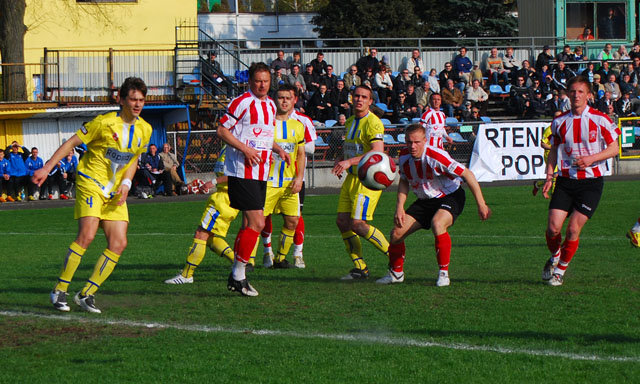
{"x":510,"y":151}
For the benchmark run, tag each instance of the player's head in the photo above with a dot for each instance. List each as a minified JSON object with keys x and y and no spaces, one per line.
{"x":415,"y":139}
{"x":362,"y":99}
{"x":132,"y":95}
{"x":259,"y":79}
{"x":435,"y":101}
{"x":579,"y":88}
{"x":286,"y":98}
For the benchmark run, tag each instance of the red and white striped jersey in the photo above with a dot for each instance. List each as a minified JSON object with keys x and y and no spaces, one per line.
{"x":435,"y":124}
{"x":435,"y":174}
{"x":310,"y":134}
{"x":252,"y":121}
{"x":582,"y":135}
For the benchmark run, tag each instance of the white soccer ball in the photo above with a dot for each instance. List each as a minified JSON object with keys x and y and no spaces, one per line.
{"x":376,"y":170}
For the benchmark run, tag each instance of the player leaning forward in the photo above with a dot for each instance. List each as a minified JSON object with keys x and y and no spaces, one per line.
{"x":114,"y":142}
{"x":582,"y":140}
{"x":434,"y":177}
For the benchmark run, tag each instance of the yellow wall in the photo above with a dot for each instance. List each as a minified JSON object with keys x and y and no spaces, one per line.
{"x":65,"y":24}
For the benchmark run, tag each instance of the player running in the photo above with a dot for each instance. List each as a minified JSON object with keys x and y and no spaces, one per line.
{"x":356,"y":204}
{"x":114,"y":142}
{"x":583,"y":138}
{"x":435,"y":178}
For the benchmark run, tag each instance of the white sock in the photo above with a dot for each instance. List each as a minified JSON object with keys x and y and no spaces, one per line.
{"x":238,"y":270}
{"x":555,"y":258}
{"x":297,"y":250}
{"x":266,"y":243}
{"x":636,"y":228}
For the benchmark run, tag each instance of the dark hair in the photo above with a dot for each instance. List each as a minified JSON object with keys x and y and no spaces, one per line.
{"x":132,"y":83}
{"x":434,"y":94}
{"x":579,"y":79}
{"x":566,"y":46}
{"x":257,"y":67}
{"x":365,"y":88}
{"x":288,"y":87}
{"x":36,"y":148}
{"x":296,"y":53}
{"x":414,"y":128}
{"x":320,"y":53}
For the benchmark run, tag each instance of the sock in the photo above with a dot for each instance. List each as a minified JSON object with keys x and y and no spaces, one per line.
{"x":553,"y":243}
{"x":238,"y":270}
{"x":194,"y":257}
{"x":635,"y":229}
{"x":377,"y":239}
{"x":220,"y":246}
{"x":354,"y":248}
{"x":245,"y":242}
{"x":105,"y":265}
{"x":266,"y":235}
{"x":298,"y":238}
{"x":286,"y":239}
{"x":443,"y":251}
{"x":569,"y":249}
{"x":396,"y":257}
{"x":71,"y":262}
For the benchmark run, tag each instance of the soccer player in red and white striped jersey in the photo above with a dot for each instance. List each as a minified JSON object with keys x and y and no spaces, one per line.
{"x":582,"y":140}
{"x":248,"y":128}
{"x":435,"y":179}
{"x":435,"y":122}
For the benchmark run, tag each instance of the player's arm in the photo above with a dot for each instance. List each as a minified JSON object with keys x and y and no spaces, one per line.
{"x":403,"y":190}
{"x":343,"y":165}
{"x":552,"y":160}
{"x":249,"y":153}
{"x":125,"y":185}
{"x":483,"y":209}
{"x":296,"y":185}
{"x":585,"y":161}
{"x":40,"y":175}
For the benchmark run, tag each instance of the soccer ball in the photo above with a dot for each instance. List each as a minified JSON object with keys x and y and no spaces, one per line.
{"x":376,"y":170}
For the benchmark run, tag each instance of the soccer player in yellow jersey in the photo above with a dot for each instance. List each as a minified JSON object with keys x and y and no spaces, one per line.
{"x":114,"y":142}
{"x":545,"y":143}
{"x":285,"y":181}
{"x":364,"y":133}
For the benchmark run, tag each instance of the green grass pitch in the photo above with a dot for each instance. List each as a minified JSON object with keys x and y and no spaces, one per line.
{"x":497,"y":322}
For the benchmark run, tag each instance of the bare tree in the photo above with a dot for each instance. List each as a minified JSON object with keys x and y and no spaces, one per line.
{"x":12,"y":30}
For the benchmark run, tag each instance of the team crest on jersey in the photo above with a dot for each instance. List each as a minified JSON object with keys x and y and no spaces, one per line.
{"x":257,"y":131}
{"x":115,"y":136}
{"x":592,"y":136}
{"x":568,"y":150}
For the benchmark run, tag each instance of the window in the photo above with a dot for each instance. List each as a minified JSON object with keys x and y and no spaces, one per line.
{"x":596,"y":21}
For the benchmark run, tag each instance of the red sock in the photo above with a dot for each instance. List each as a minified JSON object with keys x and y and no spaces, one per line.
{"x":443,"y":250}
{"x":553,"y":243}
{"x":268,"y":227}
{"x":245,"y":242}
{"x":569,"y":249}
{"x":396,"y":257}
{"x":298,"y":237}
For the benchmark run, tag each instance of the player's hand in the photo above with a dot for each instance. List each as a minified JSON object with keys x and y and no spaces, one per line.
{"x":484,"y":212}
{"x":340,"y":167}
{"x":546,"y":188}
{"x":296,"y":186}
{"x":207,"y":186}
{"x":398,"y":218}
{"x":39,"y":176}
{"x":583,"y":162}
{"x":449,"y":140}
{"x":252,"y":155}
{"x":123,"y":192}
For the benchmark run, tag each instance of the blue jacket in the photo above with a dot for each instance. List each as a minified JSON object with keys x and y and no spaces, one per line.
{"x":16,"y":161}
{"x":69,"y":166}
{"x":154,"y":161}
{"x":462,"y":64}
{"x":4,"y":167}
{"x":33,"y":165}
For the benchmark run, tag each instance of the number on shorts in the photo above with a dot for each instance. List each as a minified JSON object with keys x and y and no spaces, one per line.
{"x":90,"y":201}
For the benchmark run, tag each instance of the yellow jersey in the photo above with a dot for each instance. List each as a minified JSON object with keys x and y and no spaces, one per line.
{"x":289,"y":135}
{"x":360,"y":133}
{"x":218,"y":168}
{"x":546,"y":136}
{"x":112,"y":146}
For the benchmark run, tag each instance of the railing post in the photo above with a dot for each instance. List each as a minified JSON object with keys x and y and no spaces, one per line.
{"x":45,"y":77}
{"x":59,"y":85}
{"x":533,"y":50}
{"x":110,"y":76}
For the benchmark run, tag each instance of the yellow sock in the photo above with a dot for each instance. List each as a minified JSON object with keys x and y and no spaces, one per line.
{"x":194,"y":258}
{"x":377,"y":239}
{"x":252,"y":259}
{"x":354,"y":248}
{"x":71,"y":262}
{"x":105,"y":265}
{"x":220,"y":246}
{"x":286,"y":240}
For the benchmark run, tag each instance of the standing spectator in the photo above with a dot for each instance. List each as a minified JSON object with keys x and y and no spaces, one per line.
{"x":295,"y":75}
{"x":606,"y":53}
{"x":463,"y":65}
{"x":330,"y":79}
{"x":320,"y":105}
{"x":451,"y":98}
{"x":17,"y":170}
{"x":170,"y":164}
{"x":417,"y":79}
{"x":340,"y":99}
{"x":402,"y":81}
{"x":33,"y":163}
{"x":612,"y":87}
{"x":561,"y":75}
{"x":608,"y":24}
{"x":369,"y":61}
{"x":384,"y":85}
{"x":311,"y":79}
{"x":544,"y":58}
{"x":319,"y":65}
{"x":415,"y":61}
{"x":478,"y":97}
{"x":510,"y":63}
{"x":4,"y":177}
{"x":280,"y":62}
{"x":495,"y":67}
{"x":351,"y":79}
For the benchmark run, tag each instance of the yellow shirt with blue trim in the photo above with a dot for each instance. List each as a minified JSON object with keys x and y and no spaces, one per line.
{"x":360,"y":134}
{"x":546,"y":138}
{"x":218,"y":168}
{"x":112,"y":146}
{"x":289,"y":135}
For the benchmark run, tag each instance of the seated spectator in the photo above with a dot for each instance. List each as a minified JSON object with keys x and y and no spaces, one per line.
{"x":604,"y":70}
{"x":68,"y":167}
{"x":342,"y":120}
{"x":340,"y":99}
{"x":277,"y":79}
{"x":578,"y":56}
{"x":604,"y":102}
{"x":528,"y":73}
{"x":463,"y":65}
{"x":415,"y":61}
{"x":297,"y":59}
{"x":303,"y":98}
{"x":336,"y":138}
{"x":330,"y":79}
{"x":478,"y":97}
{"x":153,"y":171}
{"x":495,"y":67}
{"x":565,"y":103}
{"x":476,"y":73}
{"x":402,"y":109}
{"x":311,"y":79}
{"x":520,"y":97}
{"x":471,"y":114}
{"x":4,"y":177}
{"x":295,"y":75}
{"x":320,"y":105}
{"x":612,"y":87}
{"x":434,"y":81}
{"x":611,"y":113}
{"x":465,"y":113}
{"x":280,"y":62}
{"x":451,"y":98}
{"x":368,"y":61}
{"x":319,"y":65}
{"x":561,"y":75}
{"x":384,"y":85}
{"x":589,"y":72}
{"x":635,"y":75}
{"x":626,"y":106}
{"x":33,"y":163}
{"x":626,"y":85}
{"x":635,"y":51}
{"x":510,"y":63}
{"x":566,"y":54}
{"x":449,"y":74}
{"x":536,"y":88}
{"x":423,"y":95}
{"x":606,"y":53}
{"x":351,"y":79}
{"x":412,"y":99}
{"x":538,"y":105}
{"x":417,"y":79}
{"x":544,"y":73}
{"x":597,"y":86}
{"x":401,"y":81}
{"x":170,"y":164}
{"x":213,"y":78}
{"x":586,"y":34}
{"x":547,"y":87}
{"x":17,"y":170}
{"x":626,"y":69}
{"x":544,"y":58}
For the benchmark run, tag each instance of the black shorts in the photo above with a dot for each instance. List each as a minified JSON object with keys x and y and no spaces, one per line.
{"x":301,"y":196}
{"x":246,"y":194}
{"x":423,"y":210}
{"x":579,"y":195}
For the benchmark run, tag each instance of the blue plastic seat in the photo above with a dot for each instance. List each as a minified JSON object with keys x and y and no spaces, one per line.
{"x":320,"y":142}
{"x":330,"y":123}
{"x":401,"y":138}
{"x":496,"y":89}
{"x":383,"y":106}
{"x":388,"y":139}
{"x":451,"y":122}
{"x":385,"y":122}
{"x":486,"y":119}
{"x":457,"y":138}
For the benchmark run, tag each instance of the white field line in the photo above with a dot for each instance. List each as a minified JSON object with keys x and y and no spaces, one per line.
{"x":361,"y":337}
